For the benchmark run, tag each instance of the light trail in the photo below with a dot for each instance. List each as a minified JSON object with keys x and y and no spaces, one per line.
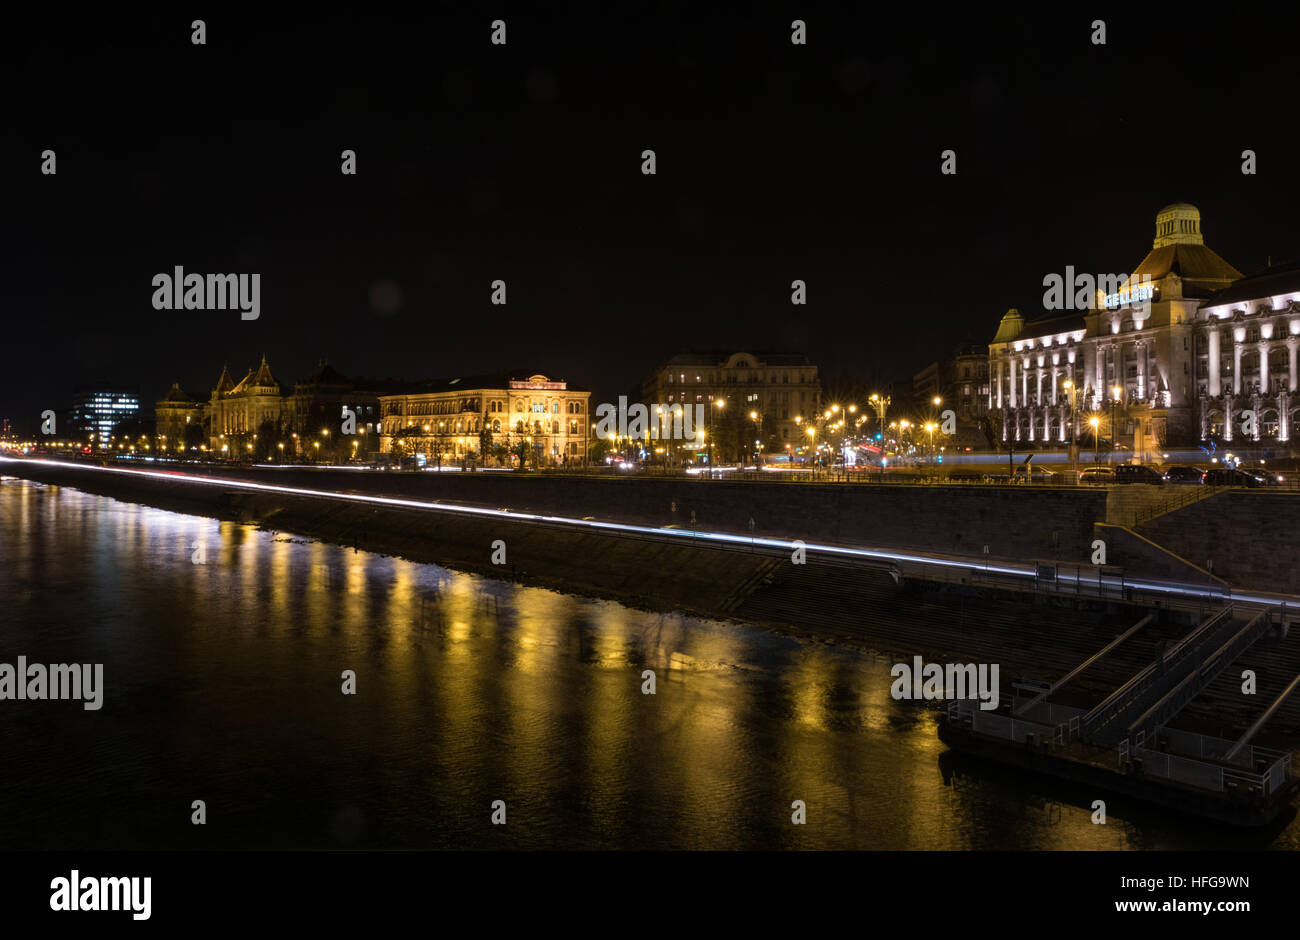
{"x":1025,"y":570}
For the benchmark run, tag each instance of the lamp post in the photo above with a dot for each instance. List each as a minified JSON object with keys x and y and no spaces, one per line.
{"x":718,"y":403}
{"x":880,"y":404}
{"x":1115,"y":392}
{"x":1096,"y":423}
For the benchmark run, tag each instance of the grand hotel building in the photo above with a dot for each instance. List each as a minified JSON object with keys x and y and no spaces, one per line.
{"x":449,"y":420}
{"x":1185,"y":350}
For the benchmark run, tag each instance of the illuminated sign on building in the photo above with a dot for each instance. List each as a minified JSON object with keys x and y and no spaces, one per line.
{"x":1130,"y":295}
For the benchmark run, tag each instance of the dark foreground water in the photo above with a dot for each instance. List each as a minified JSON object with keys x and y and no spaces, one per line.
{"x":223,"y":684}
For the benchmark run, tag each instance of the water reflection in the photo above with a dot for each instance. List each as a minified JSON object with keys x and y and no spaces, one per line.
{"x":223,"y":683}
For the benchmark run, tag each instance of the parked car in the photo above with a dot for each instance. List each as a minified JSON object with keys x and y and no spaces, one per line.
{"x":1184,"y":474}
{"x":1264,"y":477}
{"x":1097,"y":475}
{"x":1137,"y":473}
{"x":1034,"y":474}
{"x":1225,"y":476}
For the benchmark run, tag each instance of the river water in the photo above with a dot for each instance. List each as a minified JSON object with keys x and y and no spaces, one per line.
{"x":224,"y":648}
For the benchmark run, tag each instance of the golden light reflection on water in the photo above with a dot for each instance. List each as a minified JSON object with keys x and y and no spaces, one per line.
{"x":473,"y":689}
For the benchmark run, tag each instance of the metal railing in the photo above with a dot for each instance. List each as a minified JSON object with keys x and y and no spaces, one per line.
{"x":1161,"y":670}
{"x":1176,"y":698}
{"x":1205,"y":775}
{"x":1187,"y":496}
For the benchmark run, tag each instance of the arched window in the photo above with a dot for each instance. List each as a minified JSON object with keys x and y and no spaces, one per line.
{"x":555,"y":427}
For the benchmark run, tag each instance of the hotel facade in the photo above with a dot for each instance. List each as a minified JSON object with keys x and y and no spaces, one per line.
{"x":488,"y":418}
{"x":1183,"y":350}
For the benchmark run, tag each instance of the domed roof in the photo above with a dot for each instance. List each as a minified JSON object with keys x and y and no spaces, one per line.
{"x":176,"y":395}
{"x":1009,"y":329}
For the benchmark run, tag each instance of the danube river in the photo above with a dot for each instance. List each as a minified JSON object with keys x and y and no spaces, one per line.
{"x":224,"y":648}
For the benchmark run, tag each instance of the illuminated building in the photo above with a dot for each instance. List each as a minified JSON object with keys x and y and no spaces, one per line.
{"x":175,"y":414}
{"x":1130,"y":353}
{"x":778,"y":387}
{"x":238,"y":410}
{"x":301,"y":418}
{"x":99,"y":409}
{"x":1247,"y":342}
{"x":486,"y":418}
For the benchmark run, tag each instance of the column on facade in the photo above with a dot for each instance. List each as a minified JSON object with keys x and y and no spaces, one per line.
{"x":1263,"y":368}
{"x":1038,"y":381}
{"x":1236,"y":366}
{"x":1056,"y":361}
{"x":1140,"y":349}
{"x":1292,"y":345}
{"x":1024,"y":382}
{"x":1012,"y":391}
{"x":1000,"y":362}
{"x":1099,"y":372}
{"x":1215,"y":388}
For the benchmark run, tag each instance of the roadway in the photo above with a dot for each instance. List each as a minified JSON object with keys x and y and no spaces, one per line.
{"x":1031,"y":575}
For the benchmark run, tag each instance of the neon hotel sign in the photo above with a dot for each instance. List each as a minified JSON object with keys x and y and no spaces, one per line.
{"x":1138,"y":294}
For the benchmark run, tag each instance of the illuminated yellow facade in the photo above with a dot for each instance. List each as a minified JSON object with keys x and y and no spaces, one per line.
{"x":486,"y":419}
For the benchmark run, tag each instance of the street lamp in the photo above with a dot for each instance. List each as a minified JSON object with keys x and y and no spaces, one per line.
{"x":880,"y":403}
{"x":718,"y":403}
{"x":1115,"y":392}
{"x":1096,"y":423}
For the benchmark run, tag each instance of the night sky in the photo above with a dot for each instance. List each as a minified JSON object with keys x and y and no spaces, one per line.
{"x":523,"y":162}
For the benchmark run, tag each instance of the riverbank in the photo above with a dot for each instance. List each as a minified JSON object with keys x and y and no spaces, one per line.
{"x":1036,"y":637}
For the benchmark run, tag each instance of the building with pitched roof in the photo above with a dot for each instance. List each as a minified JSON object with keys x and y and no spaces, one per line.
{"x":256,"y":415}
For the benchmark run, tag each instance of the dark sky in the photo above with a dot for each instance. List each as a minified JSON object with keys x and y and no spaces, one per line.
{"x":523,"y":163}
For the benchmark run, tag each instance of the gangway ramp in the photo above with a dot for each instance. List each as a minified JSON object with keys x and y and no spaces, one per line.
{"x":1108,"y":722}
{"x":1172,"y":702}
{"x":1060,"y":683}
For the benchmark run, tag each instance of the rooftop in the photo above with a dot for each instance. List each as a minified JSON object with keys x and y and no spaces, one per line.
{"x":1269,"y":282}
